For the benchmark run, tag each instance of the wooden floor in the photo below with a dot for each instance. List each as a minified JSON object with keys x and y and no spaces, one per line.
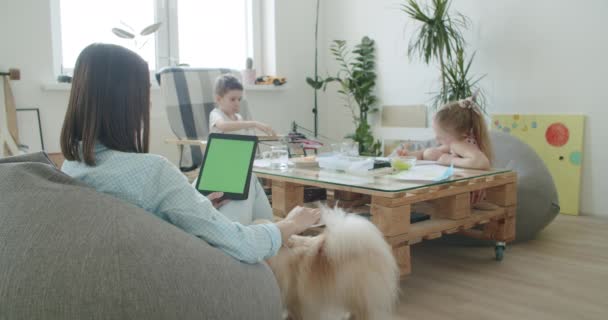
{"x":563,"y":274}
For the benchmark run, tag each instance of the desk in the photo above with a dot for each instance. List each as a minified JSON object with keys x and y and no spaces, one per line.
{"x":203,"y":143}
{"x":391,"y":202}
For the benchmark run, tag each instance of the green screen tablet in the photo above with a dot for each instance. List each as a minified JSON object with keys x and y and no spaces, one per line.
{"x":227,"y":165}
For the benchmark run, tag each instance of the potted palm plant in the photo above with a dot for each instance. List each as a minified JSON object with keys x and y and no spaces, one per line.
{"x":459,"y":84}
{"x":439,"y":37}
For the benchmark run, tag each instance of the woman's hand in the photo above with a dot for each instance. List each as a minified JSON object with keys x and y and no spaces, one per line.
{"x":298,"y":220}
{"x":216,"y":200}
{"x":304,"y":218}
{"x":265,"y":128}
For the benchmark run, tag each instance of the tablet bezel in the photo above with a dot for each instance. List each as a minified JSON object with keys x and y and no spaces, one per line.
{"x":229,"y":195}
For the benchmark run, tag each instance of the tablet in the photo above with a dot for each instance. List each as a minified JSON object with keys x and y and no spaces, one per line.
{"x":227,"y":165}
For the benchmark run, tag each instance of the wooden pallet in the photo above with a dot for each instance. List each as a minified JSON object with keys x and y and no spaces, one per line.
{"x":347,"y":200}
{"x":448,"y":204}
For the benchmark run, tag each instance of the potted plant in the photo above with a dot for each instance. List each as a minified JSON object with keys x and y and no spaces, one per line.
{"x":458,"y":83}
{"x":357,"y":80}
{"x":248,"y":74}
{"x":439,"y":37}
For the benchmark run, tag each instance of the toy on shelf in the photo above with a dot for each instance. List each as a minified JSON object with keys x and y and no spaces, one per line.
{"x":299,"y":144}
{"x":267,"y":80}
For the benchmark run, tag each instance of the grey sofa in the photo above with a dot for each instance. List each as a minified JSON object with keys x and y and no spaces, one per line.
{"x":69,"y":252}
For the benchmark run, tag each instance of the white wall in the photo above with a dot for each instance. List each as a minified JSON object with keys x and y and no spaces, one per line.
{"x":26,"y":44}
{"x":294,"y":26}
{"x":542,"y":56}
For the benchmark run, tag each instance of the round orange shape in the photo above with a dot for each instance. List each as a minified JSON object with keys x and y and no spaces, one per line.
{"x":557,"y":134}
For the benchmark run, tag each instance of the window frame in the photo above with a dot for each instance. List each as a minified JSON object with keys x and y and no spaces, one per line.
{"x":167,"y":38}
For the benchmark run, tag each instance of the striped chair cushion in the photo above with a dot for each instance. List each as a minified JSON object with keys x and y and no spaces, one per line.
{"x":189,"y":98}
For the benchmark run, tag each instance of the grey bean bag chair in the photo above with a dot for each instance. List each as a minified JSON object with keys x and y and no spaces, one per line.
{"x":537,"y":201}
{"x":69,"y":252}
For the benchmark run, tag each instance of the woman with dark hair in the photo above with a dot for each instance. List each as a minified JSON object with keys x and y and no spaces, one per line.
{"x":105,"y":140}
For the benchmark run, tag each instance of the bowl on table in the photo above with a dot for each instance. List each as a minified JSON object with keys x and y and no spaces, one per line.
{"x":402,"y":163}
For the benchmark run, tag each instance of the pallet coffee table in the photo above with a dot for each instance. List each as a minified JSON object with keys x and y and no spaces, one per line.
{"x":391,"y":201}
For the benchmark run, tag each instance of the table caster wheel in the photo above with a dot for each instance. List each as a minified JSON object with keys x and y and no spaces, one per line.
{"x":500,"y":250}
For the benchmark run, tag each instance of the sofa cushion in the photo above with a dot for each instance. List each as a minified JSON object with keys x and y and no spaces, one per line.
{"x":69,"y":252}
{"x":39,"y":157}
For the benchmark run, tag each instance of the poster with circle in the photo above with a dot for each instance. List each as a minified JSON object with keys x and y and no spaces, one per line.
{"x":558,"y":140}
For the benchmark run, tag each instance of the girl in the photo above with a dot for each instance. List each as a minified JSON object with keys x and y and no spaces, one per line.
{"x":105,"y":140}
{"x":463,"y":137}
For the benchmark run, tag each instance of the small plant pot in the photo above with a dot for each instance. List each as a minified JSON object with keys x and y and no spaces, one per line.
{"x":248,"y":76}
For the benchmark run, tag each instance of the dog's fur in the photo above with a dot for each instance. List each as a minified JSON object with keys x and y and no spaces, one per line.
{"x":346,"y":272}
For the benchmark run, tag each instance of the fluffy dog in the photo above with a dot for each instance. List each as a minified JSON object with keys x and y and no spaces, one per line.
{"x":346,"y":272}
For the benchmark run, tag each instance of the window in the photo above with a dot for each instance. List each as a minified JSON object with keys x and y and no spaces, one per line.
{"x":213,"y":33}
{"x":200,"y":33}
{"x":85,"y":22}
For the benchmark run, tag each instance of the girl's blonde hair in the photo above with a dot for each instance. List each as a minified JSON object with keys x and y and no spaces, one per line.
{"x":464,"y":118}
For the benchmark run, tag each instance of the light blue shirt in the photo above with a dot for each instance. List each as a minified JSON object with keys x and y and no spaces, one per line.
{"x":154,"y":184}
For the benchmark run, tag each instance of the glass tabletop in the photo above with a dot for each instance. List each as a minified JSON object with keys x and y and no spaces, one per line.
{"x":383,"y":180}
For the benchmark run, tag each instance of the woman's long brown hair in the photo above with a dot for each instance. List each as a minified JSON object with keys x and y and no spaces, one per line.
{"x":109,"y":103}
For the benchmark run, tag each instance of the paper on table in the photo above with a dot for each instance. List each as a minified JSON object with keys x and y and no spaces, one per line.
{"x":430,"y":172}
{"x":425,"y":162}
{"x":265,"y":163}
{"x":261,"y":163}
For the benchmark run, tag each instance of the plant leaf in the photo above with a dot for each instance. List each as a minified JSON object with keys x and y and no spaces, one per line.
{"x":314,"y":84}
{"x":121,"y":33}
{"x":151,"y":29}
{"x":126,"y":25}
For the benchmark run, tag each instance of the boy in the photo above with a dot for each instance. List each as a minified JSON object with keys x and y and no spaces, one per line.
{"x":225,"y":118}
